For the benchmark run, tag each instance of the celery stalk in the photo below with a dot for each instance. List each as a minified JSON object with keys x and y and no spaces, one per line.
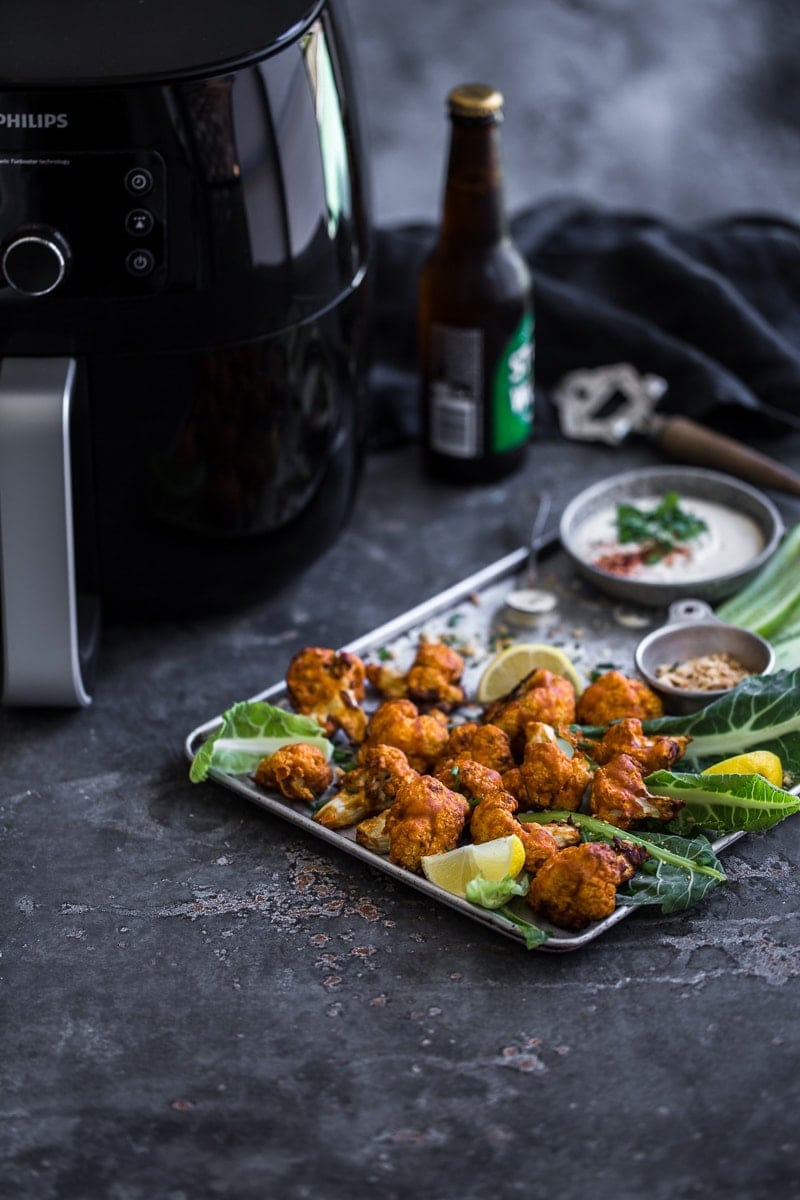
{"x":772,"y":598}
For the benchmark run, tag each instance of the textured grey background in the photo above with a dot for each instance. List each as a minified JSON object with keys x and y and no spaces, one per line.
{"x":687,"y":108}
{"x":201,"y":1002}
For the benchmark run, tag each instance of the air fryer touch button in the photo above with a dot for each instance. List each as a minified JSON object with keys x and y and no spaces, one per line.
{"x":139,"y":181}
{"x":34,"y":264}
{"x":139,"y":222}
{"x":93,"y":219}
{"x":140,"y":262}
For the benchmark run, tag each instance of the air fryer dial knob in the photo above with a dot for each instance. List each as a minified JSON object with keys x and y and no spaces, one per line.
{"x":35,"y":262}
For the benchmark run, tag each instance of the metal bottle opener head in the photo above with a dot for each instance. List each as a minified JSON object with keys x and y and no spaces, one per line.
{"x":605,"y":404}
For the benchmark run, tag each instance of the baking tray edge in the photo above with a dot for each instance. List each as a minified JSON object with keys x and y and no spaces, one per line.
{"x":494,"y":573}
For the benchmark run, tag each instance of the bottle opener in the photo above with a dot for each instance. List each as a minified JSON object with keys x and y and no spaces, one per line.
{"x":606,"y":404}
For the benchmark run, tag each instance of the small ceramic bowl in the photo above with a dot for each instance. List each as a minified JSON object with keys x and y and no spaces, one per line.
{"x":692,"y":631}
{"x":696,"y":482}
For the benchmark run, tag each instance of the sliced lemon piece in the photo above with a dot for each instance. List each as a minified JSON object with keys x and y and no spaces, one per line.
{"x":454,"y":869}
{"x":756,"y":762}
{"x":509,"y":666}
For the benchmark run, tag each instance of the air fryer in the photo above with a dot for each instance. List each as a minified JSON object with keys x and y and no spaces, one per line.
{"x":183,"y":269}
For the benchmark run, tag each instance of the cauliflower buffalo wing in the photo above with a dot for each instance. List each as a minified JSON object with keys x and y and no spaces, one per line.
{"x":615,"y":695}
{"x":421,"y":737}
{"x":619,"y":795}
{"x":579,"y":884}
{"x":298,"y":771}
{"x":626,"y":737}
{"x":485,"y":744}
{"x":549,"y":777}
{"x":425,"y":818}
{"x":540,"y":696}
{"x":329,"y":686}
{"x":494,"y":817}
{"x":434,"y":678}
{"x":472,"y":779}
{"x":368,"y":788}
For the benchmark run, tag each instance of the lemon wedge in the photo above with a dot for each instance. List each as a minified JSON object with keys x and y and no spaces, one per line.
{"x":756,"y":762}
{"x":454,"y":869}
{"x":509,"y":666}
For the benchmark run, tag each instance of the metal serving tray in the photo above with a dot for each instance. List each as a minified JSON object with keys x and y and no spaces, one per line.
{"x":470,"y":616}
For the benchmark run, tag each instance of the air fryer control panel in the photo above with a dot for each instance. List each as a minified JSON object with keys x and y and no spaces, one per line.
{"x":84,"y":224}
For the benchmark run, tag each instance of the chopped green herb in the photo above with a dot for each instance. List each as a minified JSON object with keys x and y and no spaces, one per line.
{"x":601,"y":669}
{"x":659,"y":530}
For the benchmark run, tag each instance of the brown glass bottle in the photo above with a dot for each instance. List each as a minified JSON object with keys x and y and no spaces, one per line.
{"x":475,"y":320}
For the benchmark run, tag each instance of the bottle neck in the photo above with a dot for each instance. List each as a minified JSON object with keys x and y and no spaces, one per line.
{"x":474,"y":205}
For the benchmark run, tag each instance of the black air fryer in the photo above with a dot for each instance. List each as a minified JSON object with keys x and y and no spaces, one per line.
{"x":183,"y":257}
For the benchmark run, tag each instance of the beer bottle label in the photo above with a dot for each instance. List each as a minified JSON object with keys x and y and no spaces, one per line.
{"x":456,"y":385}
{"x":512,"y":399}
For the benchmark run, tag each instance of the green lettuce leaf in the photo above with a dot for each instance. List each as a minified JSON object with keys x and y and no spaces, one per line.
{"x":494,"y":893}
{"x":726,"y":803}
{"x":252,"y":730}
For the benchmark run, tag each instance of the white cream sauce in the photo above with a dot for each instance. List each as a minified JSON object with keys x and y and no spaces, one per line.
{"x":731,"y":540}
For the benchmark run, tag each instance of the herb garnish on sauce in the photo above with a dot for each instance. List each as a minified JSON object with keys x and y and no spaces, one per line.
{"x":660,"y":530}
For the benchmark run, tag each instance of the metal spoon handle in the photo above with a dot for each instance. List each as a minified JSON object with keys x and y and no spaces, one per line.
{"x":541,"y":501}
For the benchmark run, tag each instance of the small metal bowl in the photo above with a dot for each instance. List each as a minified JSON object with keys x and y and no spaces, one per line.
{"x":688,"y":482}
{"x":693,"y":630}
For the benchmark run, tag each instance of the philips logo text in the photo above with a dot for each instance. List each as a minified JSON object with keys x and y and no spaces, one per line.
{"x":33,"y":120}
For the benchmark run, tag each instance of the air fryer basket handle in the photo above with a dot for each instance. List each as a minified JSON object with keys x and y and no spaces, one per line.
{"x":45,"y":640}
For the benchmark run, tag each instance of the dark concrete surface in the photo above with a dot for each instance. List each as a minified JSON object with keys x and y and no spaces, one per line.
{"x":201,"y":1001}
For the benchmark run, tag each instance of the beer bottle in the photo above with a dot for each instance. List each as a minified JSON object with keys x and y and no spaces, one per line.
{"x":475,"y":312}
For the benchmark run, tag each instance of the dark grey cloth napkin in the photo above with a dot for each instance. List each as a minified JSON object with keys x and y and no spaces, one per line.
{"x":713,"y":308}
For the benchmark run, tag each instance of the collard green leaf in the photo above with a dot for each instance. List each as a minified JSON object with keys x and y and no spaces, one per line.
{"x":593,"y":829}
{"x":760,"y":713}
{"x":726,"y":803}
{"x":679,"y":872}
{"x":671,"y":887}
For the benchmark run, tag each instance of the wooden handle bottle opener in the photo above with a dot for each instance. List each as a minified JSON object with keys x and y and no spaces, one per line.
{"x":609,"y":403}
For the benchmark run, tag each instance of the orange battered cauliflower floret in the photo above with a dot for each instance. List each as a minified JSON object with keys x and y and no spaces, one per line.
{"x":434,"y":677}
{"x":494,"y":818}
{"x":579,"y":884}
{"x":329,"y":686}
{"x":619,"y":796}
{"x":298,"y":771}
{"x":472,"y":779}
{"x":615,"y":695}
{"x":368,"y":788}
{"x":421,"y":737}
{"x":426,"y":818}
{"x":540,"y":696}
{"x":549,"y":776}
{"x":657,"y":753}
{"x":484,"y":744}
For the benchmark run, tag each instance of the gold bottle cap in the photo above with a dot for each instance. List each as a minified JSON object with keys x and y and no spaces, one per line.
{"x":475,"y":100}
